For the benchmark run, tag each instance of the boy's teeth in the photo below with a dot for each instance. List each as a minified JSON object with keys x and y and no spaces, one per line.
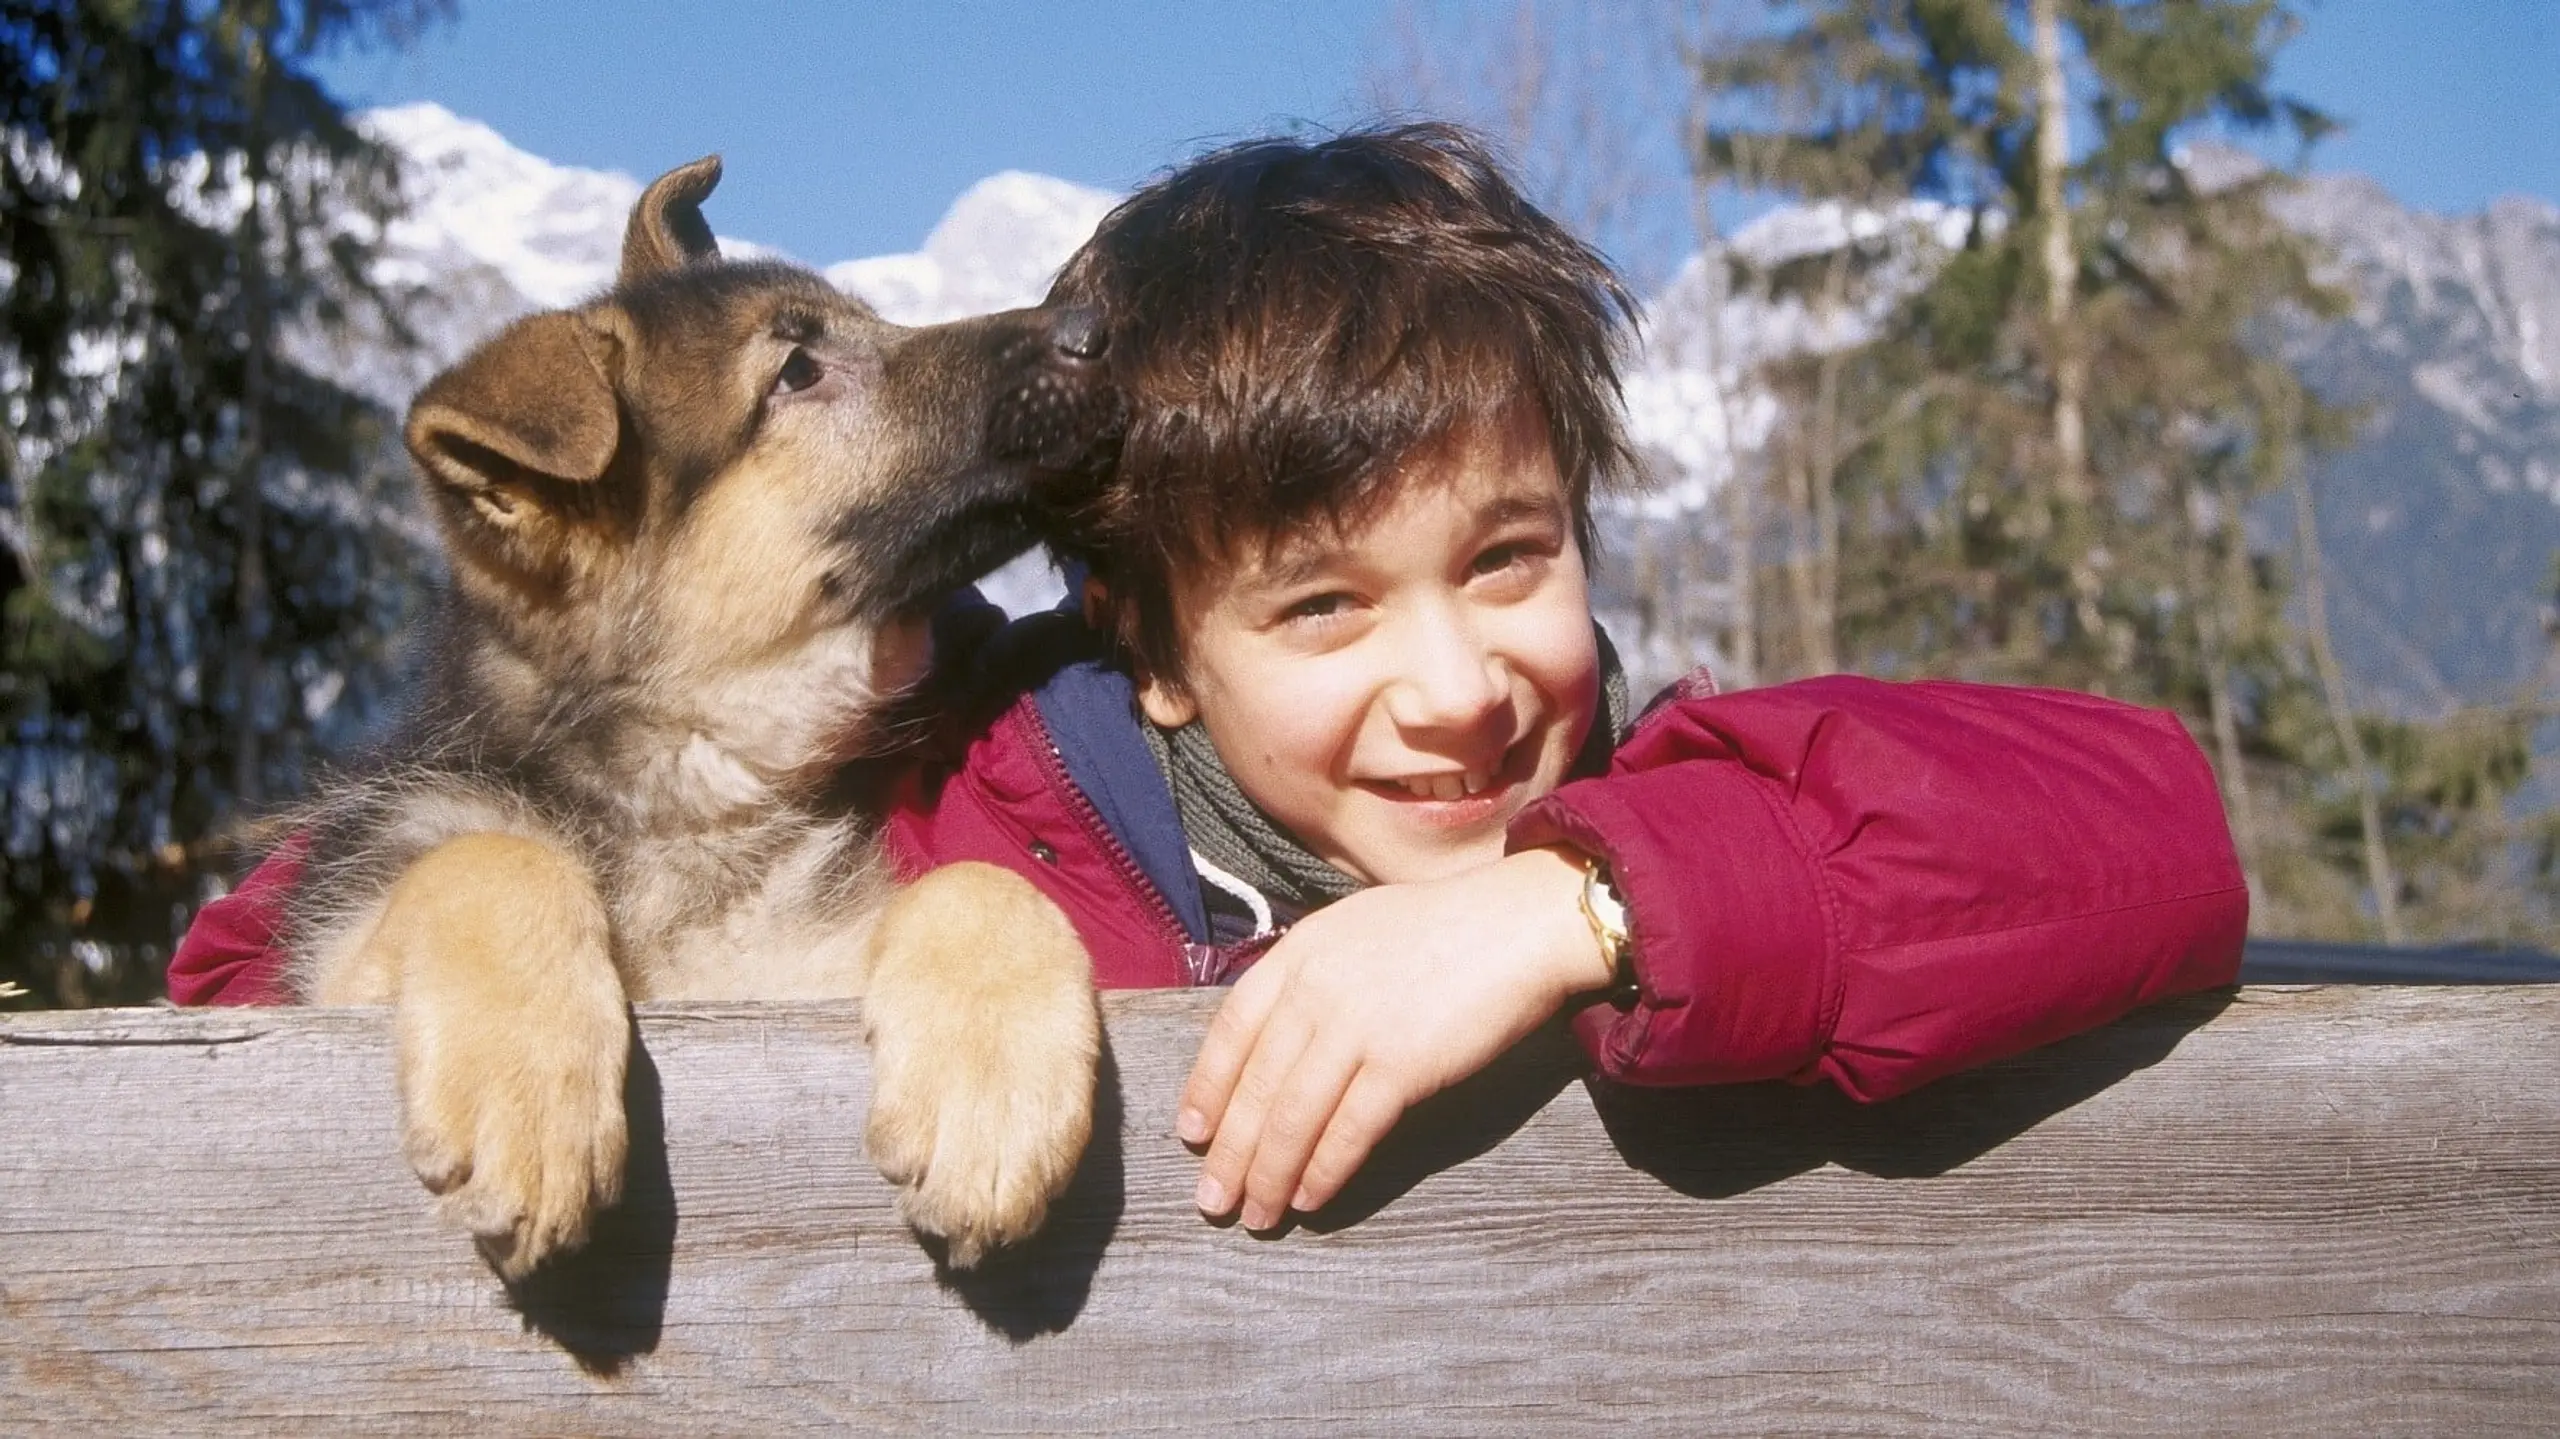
{"x":1447,"y":786}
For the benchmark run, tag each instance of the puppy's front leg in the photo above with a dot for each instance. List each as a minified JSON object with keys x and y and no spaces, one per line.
{"x":984,"y":1038}
{"x":513,"y":1037}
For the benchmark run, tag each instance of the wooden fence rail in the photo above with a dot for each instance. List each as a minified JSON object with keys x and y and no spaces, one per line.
{"x":2331,"y":1211}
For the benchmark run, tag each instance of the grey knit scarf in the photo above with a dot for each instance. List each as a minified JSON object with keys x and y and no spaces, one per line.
{"x":1231,"y":831}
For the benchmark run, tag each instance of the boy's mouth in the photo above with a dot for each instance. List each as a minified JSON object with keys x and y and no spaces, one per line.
{"x":1461,"y":790}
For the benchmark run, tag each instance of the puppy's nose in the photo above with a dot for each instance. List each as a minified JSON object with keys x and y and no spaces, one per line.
{"x":1061,"y":408}
{"x":1078,"y":334}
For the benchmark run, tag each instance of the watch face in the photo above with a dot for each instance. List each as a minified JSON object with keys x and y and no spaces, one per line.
{"x":1608,"y":917}
{"x":1606,"y":906}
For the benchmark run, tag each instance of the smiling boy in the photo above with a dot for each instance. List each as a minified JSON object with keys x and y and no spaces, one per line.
{"x":1372,"y":391}
{"x":1346,"y":719}
{"x":1396,"y":692}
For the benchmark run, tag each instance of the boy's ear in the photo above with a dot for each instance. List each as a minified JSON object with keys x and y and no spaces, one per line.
{"x":1165,"y":704}
{"x":515,"y":437}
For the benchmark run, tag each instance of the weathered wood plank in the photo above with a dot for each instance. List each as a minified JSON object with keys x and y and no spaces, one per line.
{"x":2317,"y":1211}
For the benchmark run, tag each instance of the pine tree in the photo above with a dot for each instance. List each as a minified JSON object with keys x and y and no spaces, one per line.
{"x":202,"y":565}
{"x":2053,"y":459}
{"x":2038,"y":423}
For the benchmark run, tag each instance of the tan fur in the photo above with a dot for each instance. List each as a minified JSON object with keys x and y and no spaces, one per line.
{"x":979,"y":1010}
{"x":512,"y":1039}
{"x":749,"y":566}
{"x":625,"y":781}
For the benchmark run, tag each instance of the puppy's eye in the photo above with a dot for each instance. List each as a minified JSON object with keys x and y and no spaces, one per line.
{"x":799,"y":372}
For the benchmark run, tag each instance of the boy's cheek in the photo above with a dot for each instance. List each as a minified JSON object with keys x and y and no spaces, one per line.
{"x":1293,"y":747}
{"x":1293,"y":740}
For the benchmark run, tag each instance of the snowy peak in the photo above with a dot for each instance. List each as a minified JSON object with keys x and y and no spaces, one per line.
{"x":2491,"y":281}
{"x":997,"y":248}
{"x":1692,"y":405}
{"x":493,"y":233}
{"x":553,"y":232}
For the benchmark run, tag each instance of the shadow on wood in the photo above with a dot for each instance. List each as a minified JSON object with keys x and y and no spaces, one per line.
{"x":2331,"y":1211}
{"x":1041,"y":1286}
{"x":1720,"y":1141}
{"x":605,"y":1303}
{"x":1452,"y":1127}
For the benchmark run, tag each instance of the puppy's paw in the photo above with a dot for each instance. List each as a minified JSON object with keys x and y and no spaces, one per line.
{"x":984,"y":1042}
{"x":512,"y":1041}
{"x":515,"y":1121}
{"x":980,"y":1137}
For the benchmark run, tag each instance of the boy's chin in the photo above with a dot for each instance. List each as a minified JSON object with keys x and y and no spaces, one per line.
{"x":1404,"y":852}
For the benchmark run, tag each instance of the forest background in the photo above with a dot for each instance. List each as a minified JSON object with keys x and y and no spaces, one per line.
{"x":2046,"y":415}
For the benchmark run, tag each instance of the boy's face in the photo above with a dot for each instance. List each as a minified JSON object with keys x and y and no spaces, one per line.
{"x":1394,"y":694}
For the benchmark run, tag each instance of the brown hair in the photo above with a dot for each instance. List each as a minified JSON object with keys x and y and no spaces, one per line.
{"x":1292,"y":320}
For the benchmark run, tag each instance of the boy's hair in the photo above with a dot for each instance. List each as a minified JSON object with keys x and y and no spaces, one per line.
{"x":1291,"y":321}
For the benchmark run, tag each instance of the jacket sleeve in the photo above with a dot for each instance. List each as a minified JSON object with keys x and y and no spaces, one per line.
{"x":1880,"y":884}
{"x":234,"y":952}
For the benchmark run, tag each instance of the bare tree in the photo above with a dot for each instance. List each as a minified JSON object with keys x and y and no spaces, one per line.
{"x":1579,"y":94}
{"x":2071,"y":483}
{"x":2340,"y":705}
{"x":1741,"y":487}
{"x":2061,"y":262}
{"x":1596,"y":105}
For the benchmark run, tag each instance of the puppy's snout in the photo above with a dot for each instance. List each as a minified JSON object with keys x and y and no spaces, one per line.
{"x":1079,"y":334}
{"x":1060,"y":409}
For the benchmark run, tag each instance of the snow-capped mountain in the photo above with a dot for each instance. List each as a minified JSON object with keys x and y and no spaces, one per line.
{"x":2441,"y":523}
{"x":996,"y":248}
{"x":493,"y":233}
{"x":552,"y":233}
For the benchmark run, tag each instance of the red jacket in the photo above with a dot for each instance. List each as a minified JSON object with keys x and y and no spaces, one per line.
{"x":1879,"y":884}
{"x":1874,"y":883}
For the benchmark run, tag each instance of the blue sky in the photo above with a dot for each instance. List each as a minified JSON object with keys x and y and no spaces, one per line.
{"x":849,"y":126}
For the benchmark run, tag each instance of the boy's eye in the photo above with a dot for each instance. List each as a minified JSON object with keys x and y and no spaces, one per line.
{"x":1511,"y":555}
{"x":1317,"y":607}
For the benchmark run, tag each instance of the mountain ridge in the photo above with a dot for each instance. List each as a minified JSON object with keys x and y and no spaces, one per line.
{"x":2440,"y":521}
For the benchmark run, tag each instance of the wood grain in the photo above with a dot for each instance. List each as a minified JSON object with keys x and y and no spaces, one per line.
{"x":2294,"y":1211}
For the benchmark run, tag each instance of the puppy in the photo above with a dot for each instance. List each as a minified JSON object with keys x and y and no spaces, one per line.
{"x":695,"y":528}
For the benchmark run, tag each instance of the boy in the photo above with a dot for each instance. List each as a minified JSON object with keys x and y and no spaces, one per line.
{"x":1372,"y":391}
{"x":1343,"y":708}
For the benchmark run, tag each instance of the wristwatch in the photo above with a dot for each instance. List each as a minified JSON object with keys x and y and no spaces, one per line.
{"x":1607,"y":914}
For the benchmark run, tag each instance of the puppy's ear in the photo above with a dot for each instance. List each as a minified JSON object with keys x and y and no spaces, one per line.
{"x":667,"y":231}
{"x":514,"y":438}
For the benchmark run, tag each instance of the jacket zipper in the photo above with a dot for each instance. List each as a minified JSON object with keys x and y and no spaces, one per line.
{"x":1122,"y":862}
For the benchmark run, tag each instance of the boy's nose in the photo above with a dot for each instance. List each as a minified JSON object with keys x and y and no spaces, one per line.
{"x":1450,"y":680}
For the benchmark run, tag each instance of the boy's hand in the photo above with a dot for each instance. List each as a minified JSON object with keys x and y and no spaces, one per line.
{"x":1366,"y":1007}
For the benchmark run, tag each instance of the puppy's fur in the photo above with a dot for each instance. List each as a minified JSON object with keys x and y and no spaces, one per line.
{"x":695,"y":527}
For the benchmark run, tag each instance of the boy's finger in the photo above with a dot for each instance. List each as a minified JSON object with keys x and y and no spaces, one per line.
{"x":1275,"y":1053}
{"x":1297,"y":1119}
{"x":1369,"y":1108}
{"x":1224,"y":1050}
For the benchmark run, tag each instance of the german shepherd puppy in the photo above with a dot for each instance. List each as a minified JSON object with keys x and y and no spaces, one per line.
{"x":695,"y":528}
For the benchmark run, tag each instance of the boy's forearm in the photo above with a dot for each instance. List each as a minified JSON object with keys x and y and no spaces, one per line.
{"x":1880,"y":884}
{"x":1542,"y":889}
